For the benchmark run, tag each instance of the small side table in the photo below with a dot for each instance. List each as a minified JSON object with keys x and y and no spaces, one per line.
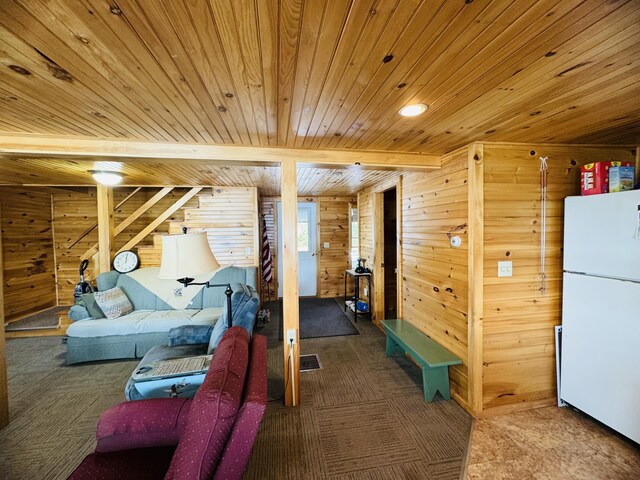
{"x":356,"y":280}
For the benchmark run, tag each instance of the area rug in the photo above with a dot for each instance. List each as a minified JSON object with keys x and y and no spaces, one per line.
{"x":321,"y":317}
{"x":46,"y":319}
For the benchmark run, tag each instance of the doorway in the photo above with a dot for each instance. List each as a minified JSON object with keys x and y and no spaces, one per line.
{"x":307,"y":250}
{"x":390,"y":232}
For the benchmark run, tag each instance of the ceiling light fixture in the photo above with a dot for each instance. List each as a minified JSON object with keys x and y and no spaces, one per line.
{"x":106,"y":178}
{"x":413,"y":110}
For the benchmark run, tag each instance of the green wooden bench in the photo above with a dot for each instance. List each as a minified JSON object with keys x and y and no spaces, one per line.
{"x":402,"y":337}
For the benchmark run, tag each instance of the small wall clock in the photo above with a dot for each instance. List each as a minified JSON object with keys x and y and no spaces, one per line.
{"x":126,"y":261}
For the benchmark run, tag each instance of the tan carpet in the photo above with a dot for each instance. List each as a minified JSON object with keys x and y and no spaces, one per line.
{"x":362,"y":415}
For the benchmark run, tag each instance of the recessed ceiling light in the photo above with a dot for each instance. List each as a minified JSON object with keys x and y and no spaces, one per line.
{"x":413,"y":110}
{"x":106,"y":178}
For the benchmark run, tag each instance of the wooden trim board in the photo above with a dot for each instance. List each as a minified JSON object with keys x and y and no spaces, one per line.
{"x":475,"y":275}
{"x":133,"y":150}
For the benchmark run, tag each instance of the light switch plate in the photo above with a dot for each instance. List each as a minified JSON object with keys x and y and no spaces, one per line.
{"x":326,"y":244}
{"x":505,"y":269}
{"x":247,"y":251}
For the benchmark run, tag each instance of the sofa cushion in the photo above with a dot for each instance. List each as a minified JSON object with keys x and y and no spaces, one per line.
{"x":141,"y":297}
{"x":107,"y":280}
{"x":113,"y":302}
{"x":157,"y":422}
{"x":213,"y":410}
{"x":89,"y":302}
{"x":244,"y":306}
{"x":237,"y":450}
{"x":165,"y":320}
{"x":127,"y":325}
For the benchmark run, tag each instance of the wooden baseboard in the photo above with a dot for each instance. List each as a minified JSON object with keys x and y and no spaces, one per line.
{"x":516,"y":407}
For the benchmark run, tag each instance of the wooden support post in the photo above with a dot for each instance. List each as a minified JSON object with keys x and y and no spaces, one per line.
{"x":105,"y":227}
{"x":290,"y":306}
{"x":637,"y":185}
{"x":378,"y":258}
{"x":4,"y":390}
{"x":476,"y":274}
{"x":399,"y":280}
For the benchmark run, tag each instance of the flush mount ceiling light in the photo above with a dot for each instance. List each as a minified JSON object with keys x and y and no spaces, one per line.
{"x":413,"y":110}
{"x":106,"y":178}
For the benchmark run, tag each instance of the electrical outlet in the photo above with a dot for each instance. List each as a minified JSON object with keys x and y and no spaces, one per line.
{"x":327,"y":245}
{"x":247,"y":251}
{"x":505,"y":269}
{"x":291,"y":336}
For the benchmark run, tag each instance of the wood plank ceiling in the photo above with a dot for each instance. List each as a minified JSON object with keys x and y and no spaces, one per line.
{"x":32,"y":171}
{"x":323,"y":73}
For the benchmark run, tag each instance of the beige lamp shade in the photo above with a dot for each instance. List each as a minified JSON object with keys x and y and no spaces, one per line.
{"x":186,"y":255}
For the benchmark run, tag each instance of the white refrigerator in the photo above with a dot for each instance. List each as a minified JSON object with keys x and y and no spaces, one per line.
{"x":600,"y":364}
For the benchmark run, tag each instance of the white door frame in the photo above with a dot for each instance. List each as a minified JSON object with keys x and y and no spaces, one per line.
{"x":307,"y":279}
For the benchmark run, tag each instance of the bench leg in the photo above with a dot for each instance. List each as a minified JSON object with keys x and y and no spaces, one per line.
{"x":434,"y":379}
{"x":391,"y":346}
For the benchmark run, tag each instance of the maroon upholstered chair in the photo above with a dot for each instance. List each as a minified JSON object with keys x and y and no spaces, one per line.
{"x":188,"y":439}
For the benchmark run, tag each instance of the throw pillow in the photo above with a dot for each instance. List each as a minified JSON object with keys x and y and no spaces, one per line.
{"x":89,"y":302}
{"x":113,"y":302}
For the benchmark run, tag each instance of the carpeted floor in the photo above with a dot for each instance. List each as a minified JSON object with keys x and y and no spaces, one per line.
{"x":362,"y":415}
{"x":48,"y":318}
{"x":319,"y":317}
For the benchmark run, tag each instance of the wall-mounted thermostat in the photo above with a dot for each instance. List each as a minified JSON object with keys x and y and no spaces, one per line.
{"x":456,"y":241}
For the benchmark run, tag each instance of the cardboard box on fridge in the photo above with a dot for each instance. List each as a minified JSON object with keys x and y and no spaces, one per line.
{"x":621,"y":178}
{"x":594,"y":177}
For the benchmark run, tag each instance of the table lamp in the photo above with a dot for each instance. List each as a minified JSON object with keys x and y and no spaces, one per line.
{"x":188,"y":255}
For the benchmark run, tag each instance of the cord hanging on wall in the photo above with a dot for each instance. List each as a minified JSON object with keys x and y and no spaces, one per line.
{"x":542,"y":276}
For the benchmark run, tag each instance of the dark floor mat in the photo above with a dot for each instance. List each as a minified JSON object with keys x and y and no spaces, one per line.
{"x":321,"y":317}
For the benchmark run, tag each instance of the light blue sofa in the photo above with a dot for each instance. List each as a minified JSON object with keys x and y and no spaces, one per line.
{"x":132,"y":335}
{"x":193,"y":340}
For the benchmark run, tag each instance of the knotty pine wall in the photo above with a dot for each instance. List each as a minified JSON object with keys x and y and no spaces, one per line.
{"x":507,"y":347}
{"x":332,"y":217}
{"x":518,"y":339}
{"x":229,"y":216}
{"x":75,"y":211}
{"x":435,"y":275}
{"x":28,"y":254}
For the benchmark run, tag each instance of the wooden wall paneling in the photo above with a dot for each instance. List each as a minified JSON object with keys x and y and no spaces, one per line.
{"x":475,"y":276}
{"x":159,"y":220}
{"x":4,"y":387}
{"x":435,"y":275}
{"x":106,"y":227}
{"x":518,"y":338}
{"x":290,"y":306}
{"x":333,"y":228}
{"x":29,"y":268}
{"x":75,"y":211}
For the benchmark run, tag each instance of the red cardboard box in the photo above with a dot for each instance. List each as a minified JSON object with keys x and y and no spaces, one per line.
{"x":594,"y":177}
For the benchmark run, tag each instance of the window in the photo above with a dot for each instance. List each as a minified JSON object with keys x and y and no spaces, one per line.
{"x":355,"y":237}
{"x":303,"y":230}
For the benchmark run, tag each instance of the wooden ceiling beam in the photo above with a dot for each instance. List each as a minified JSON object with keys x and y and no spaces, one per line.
{"x":132,"y":150}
